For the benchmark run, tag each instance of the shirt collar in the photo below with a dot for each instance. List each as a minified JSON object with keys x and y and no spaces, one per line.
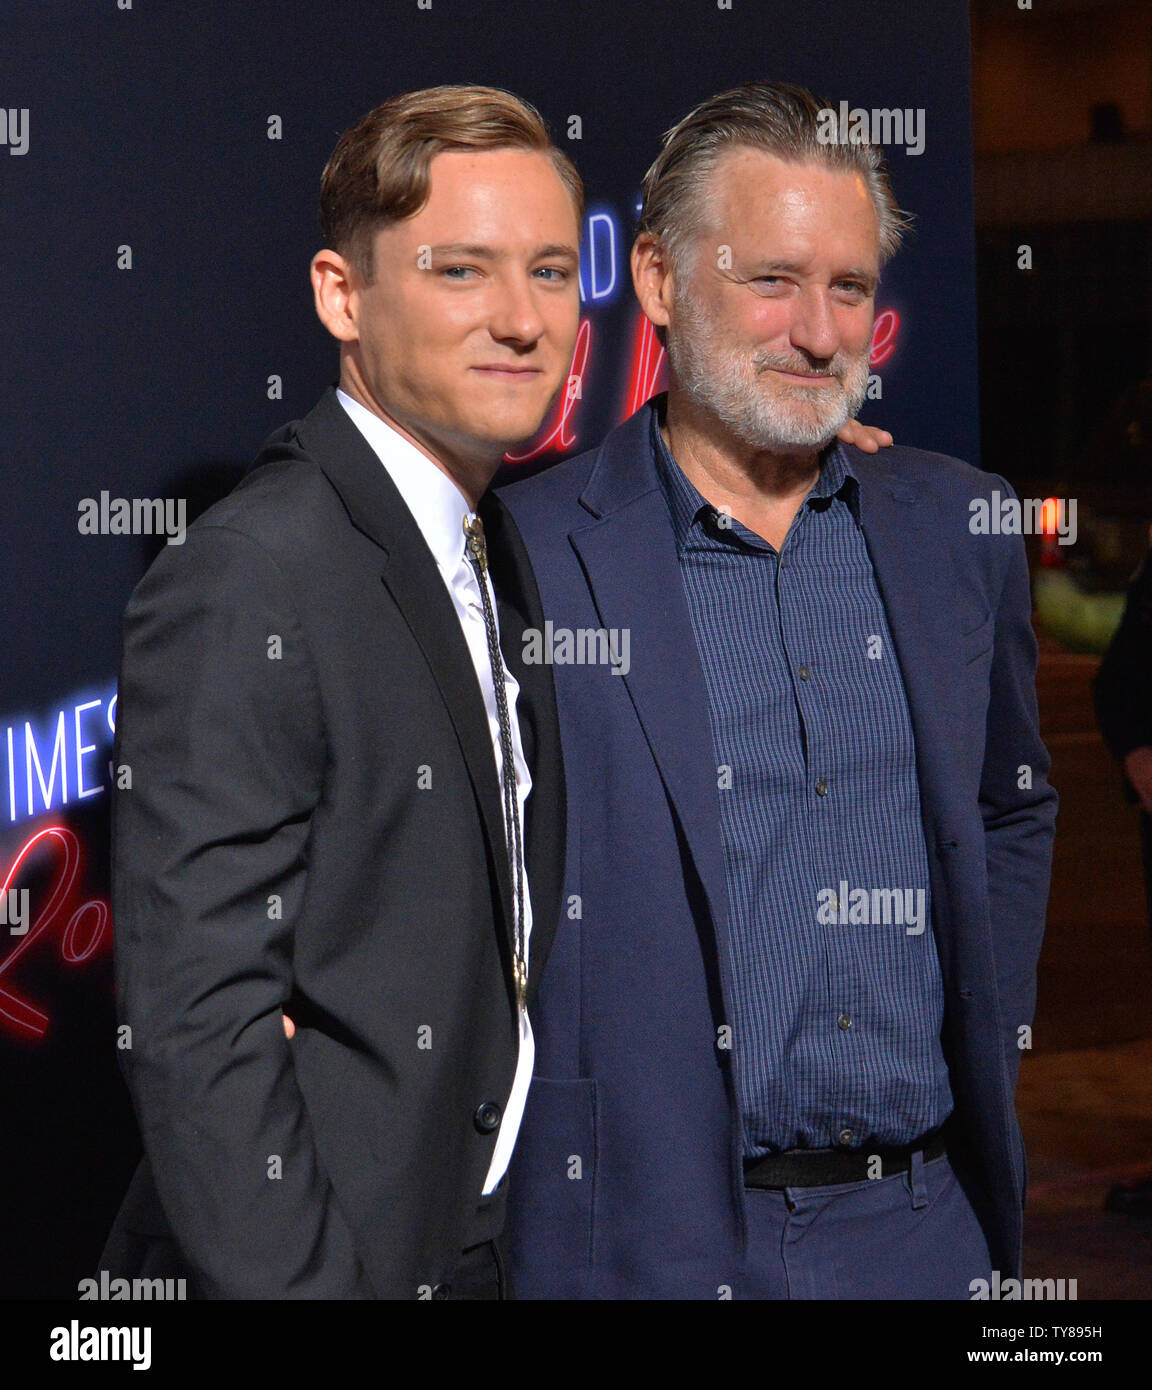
{"x":437,"y":505}
{"x":688,"y":507}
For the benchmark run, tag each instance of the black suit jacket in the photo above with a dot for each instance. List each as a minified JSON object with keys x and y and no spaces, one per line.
{"x":314,"y":825}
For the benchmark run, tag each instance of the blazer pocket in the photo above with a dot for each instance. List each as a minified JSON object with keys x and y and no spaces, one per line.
{"x":554,"y":1186}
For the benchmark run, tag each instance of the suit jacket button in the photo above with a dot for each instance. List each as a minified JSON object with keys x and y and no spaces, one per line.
{"x":487,"y":1117}
{"x":441,"y":1290}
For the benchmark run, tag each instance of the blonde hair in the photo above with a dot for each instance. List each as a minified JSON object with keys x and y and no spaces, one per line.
{"x":378,"y":172}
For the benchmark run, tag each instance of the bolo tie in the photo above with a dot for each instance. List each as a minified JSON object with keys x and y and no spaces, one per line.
{"x":477,"y":551}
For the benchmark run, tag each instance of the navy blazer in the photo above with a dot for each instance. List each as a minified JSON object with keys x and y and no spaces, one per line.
{"x":627,"y":1180}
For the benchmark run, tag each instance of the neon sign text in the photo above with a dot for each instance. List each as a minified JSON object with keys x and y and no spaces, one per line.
{"x":47,"y":770}
{"x":80,"y":937}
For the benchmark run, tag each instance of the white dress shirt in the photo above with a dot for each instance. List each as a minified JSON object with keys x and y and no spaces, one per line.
{"x":439,"y":508}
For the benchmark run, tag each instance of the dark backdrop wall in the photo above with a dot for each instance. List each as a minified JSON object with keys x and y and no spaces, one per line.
{"x":159,"y":166}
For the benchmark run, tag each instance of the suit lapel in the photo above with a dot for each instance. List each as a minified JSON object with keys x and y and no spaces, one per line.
{"x":912,"y":564}
{"x":411,"y":576}
{"x":917,"y":582}
{"x":629,"y":556}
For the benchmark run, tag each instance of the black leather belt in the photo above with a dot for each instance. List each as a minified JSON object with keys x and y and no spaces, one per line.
{"x":825,"y":1167}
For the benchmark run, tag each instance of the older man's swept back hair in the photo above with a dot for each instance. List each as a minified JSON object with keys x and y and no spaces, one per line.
{"x":775,"y":117}
{"x":378,"y":172}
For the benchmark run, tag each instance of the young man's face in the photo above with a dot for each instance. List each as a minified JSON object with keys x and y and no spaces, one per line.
{"x":771,"y":325}
{"x":467,"y":332}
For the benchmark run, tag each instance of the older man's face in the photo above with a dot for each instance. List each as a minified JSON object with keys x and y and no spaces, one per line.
{"x":770,"y":317}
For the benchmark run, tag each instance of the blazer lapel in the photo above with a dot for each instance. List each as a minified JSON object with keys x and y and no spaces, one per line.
{"x":411,"y":576}
{"x":913,"y":569}
{"x":911,"y":561}
{"x":629,"y":556}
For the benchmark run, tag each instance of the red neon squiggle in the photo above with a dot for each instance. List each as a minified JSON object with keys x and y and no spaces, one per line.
{"x":884,"y":332}
{"x":558,"y":436}
{"x":647,"y":374}
{"x":17,"y":1013}
{"x":68,"y":947}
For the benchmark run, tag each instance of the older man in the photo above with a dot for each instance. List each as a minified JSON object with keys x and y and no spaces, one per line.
{"x":810,"y":827}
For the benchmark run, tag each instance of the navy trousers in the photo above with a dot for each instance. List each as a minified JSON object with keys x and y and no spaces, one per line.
{"x":912,"y":1235}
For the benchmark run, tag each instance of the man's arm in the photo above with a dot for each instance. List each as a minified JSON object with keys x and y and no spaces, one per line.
{"x":219,"y":722}
{"x":1017,"y":803}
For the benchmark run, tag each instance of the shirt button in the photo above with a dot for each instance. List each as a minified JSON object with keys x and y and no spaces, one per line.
{"x":845,"y":1136}
{"x":804,"y":673}
{"x":487,"y":1117}
{"x":844,"y":1021}
{"x":821,"y":788}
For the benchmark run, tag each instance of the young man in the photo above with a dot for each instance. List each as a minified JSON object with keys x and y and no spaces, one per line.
{"x":346,"y":794}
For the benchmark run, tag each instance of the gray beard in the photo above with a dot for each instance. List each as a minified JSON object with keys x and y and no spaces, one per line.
{"x":725,"y":383}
